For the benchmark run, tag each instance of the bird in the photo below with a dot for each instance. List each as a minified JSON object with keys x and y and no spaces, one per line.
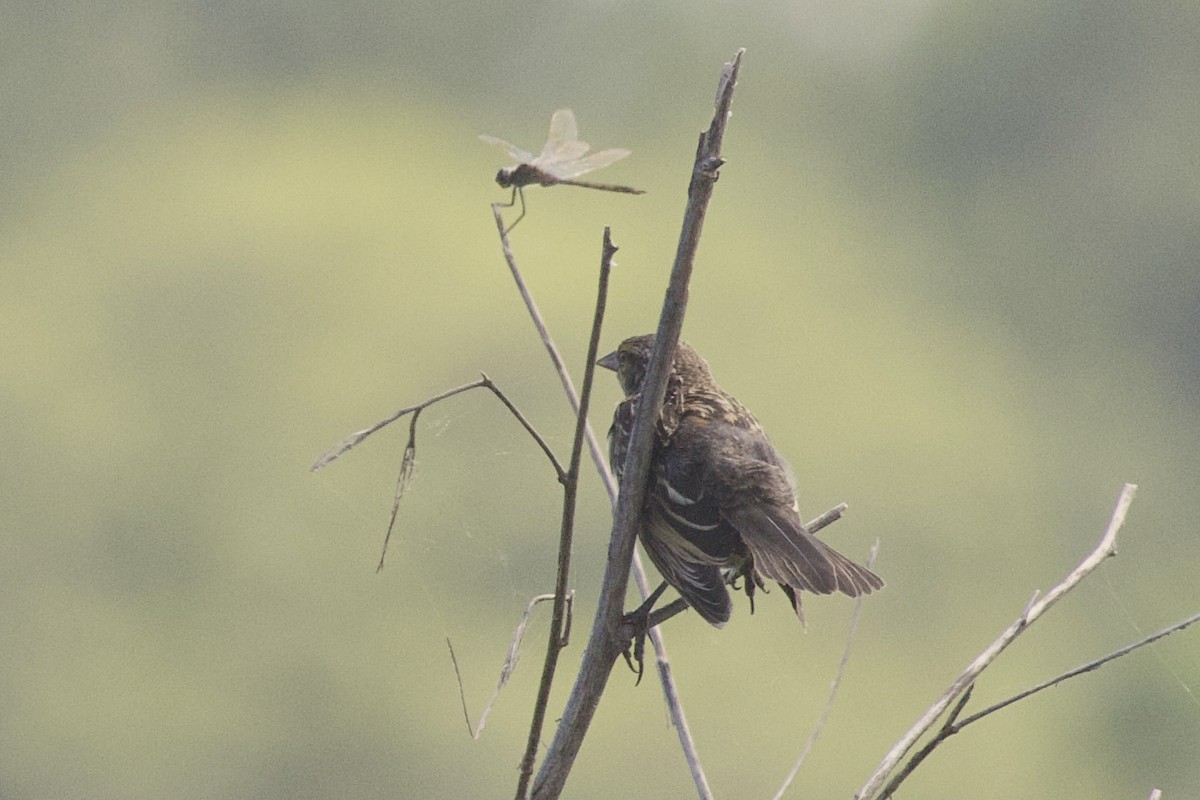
{"x":720,"y":505}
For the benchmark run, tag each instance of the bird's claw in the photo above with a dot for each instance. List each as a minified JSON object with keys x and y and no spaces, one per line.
{"x":635,"y":650}
{"x":637,"y":622}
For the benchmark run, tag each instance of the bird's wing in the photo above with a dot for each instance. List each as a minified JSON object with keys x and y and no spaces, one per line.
{"x":785,"y":552}
{"x":696,"y":576}
{"x":756,"y":497}
{"x":701,"y":585}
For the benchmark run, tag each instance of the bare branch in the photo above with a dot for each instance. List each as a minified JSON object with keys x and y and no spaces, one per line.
{"x":1088,"y":667}
{"x":947,"y":730}
{"x":670,"y":691}
{"x":604,"y":643}
{"x":570,"y":492}
{"x":506,"y":670}
{"x":828,"y":518}
{"x":353,"y":439}
{"x":408,"y":462}
{"x":1105,"y":548}
{"x":524,"y":423}
{"x":666,"y":679}
{"x":484,"y":381}
{"x":953,"y":725}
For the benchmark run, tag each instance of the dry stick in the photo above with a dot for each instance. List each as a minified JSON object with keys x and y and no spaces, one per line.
{"x":1081,"y":669}
{"x":953,"y":726}
{"x":944,"y":732}
{"x":484,"y":381}
{"x":666,"y":677}
{"x":570,"y":492}
{"x":410,"y":448}
{"x":506,"y":670}
{"x":1035,"y":609}
{"x":833,"y":689}
{"x":609,"y":636}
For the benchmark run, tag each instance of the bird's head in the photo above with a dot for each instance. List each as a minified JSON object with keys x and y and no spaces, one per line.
{"x":632,"y":357}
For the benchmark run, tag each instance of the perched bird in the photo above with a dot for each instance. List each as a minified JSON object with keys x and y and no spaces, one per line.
{"x":719,"y":503}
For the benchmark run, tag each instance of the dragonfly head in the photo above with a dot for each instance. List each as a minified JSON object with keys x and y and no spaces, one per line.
{"x":504,"y":177}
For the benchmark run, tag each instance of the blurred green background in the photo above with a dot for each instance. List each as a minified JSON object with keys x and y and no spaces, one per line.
{"x":951,"y":264}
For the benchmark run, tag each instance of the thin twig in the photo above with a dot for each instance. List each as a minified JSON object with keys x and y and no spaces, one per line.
{"x":570,"y":492}
{"x":1088,"y":667}
{"x":525,"y":423}
{"x":604,"y":643}
{"x":407,"y":465}
{"x":947,"y":730}
{"x":408,"y":462}
{"x":506,"y":669}
{"x":837,"y":682}
{"x":666,"y":677}
{"x":953,"y":725}
{"x":354,"y":439}
{"x":828,"y":518}
{"x":1105,"y":548}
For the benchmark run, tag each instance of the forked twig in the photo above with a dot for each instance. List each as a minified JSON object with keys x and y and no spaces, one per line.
{"x":354,"y":439}
{"x":953,"y":725}
{"x":408,"y":462}
{"x":1080,"y":670}
{"x":506,"y":669}
{"x":1036,"y":607}
{"x":947,"y":730}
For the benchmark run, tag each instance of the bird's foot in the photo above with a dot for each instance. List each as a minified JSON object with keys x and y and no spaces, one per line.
{"x":637,"y":622}
{"x":635,"y":651}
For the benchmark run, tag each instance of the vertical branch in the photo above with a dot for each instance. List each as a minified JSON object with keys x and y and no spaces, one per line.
{"x":666,"y":677}
{"x":605,"y":642}
{"x":570,"y":492}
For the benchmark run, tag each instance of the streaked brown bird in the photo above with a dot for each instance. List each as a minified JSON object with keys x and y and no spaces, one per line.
{"x":719,"y":503}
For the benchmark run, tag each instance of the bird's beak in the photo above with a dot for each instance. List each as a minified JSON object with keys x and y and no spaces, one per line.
{"x":609,"y":361}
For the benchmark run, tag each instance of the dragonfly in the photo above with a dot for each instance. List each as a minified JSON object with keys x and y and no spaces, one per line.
{"x":562,"y":160}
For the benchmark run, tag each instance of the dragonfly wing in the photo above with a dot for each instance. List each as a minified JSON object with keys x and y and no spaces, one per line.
{"x":579,"y":166}
{"x":564,"y":133}
{"x":521,"y":156}
{"x":562,"y":143}
{"x":567,"y":154}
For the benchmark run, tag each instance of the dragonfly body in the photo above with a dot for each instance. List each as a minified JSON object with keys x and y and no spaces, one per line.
{"x":562,"y":159}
